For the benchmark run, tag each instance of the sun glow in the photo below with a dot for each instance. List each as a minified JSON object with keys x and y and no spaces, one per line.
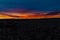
{"x":15,"y":15}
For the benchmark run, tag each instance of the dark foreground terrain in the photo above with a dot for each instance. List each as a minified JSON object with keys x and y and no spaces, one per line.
{"x":42,"y":29}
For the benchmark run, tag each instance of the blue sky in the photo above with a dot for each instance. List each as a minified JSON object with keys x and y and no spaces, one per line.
{"x":41,"y":5}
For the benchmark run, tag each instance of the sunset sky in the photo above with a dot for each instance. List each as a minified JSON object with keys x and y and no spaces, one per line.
{"x":36,"y":5}
{"x":41,"y":5}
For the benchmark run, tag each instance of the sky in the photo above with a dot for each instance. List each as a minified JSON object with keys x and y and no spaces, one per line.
{"x":40,"y":5}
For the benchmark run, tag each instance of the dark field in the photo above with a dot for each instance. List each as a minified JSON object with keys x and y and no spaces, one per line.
{"x":41,"y":29}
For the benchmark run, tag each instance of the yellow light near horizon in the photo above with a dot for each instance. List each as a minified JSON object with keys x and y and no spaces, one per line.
{"x":26,"y":16}
{"x":5,"y":17}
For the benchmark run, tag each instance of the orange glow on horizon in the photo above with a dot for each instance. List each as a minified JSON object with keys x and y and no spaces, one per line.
{"x":8,"y":15}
